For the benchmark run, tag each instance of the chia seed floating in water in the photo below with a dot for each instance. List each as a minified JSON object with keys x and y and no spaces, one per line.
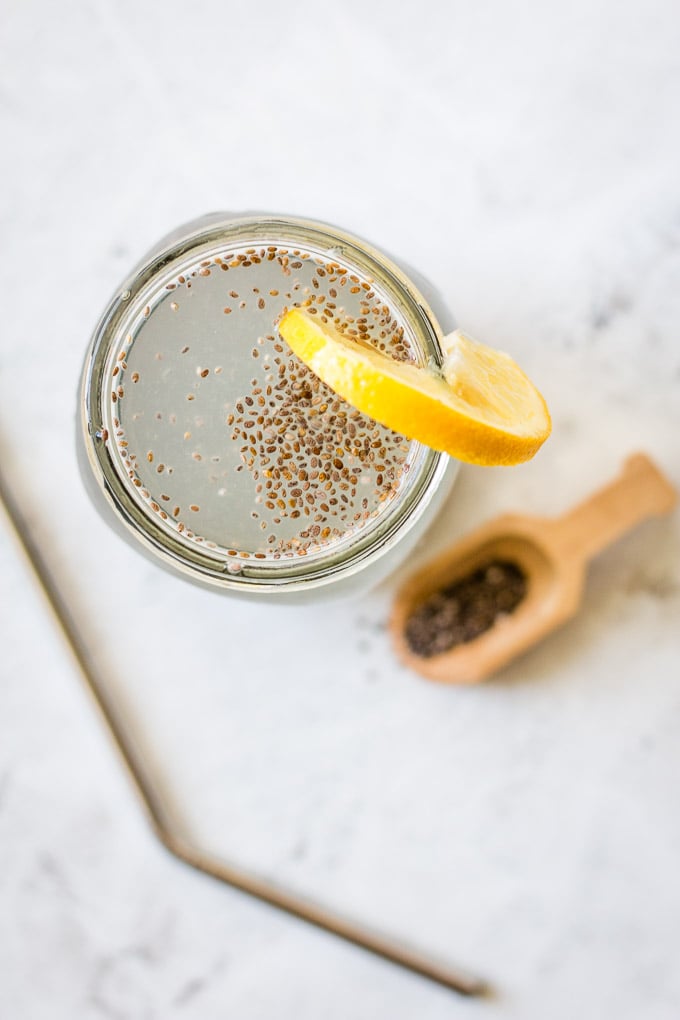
{"x":466,"y":609}
{"x":246,"y":443}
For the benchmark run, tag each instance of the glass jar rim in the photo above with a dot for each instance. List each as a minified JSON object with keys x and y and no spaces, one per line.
{"x":194,"y":241}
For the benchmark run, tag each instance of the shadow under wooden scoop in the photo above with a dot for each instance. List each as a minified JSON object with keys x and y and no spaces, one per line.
{"x":552,"y":553}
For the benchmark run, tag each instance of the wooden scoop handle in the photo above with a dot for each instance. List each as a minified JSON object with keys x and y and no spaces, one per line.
{"x":640,"y":491}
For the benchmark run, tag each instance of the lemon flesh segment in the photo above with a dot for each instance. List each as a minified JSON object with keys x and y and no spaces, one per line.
{"x":482,"y":408}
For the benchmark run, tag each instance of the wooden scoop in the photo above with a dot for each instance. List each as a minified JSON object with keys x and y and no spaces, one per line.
{"x":553,"y":553}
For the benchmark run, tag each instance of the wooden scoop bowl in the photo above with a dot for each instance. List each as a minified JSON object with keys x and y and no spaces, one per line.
{"x":553,"y":553}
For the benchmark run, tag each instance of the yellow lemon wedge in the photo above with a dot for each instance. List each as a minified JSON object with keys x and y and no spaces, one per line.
{"x":480,"y":408}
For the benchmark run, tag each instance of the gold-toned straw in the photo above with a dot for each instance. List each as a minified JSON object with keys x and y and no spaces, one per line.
{"x":167,"y":828}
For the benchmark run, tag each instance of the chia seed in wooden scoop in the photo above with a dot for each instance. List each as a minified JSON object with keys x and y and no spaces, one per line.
{"x":509,"y":583}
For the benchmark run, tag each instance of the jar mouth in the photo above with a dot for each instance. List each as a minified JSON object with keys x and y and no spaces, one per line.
{"x":137,"y":507}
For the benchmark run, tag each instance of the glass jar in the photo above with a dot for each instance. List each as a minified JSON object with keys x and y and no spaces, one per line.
{"x":205,"y":441}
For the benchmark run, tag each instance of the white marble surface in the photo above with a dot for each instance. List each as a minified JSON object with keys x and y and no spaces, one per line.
{"x":526,"y":159}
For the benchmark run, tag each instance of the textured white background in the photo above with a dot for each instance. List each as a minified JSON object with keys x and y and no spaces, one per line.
{"x":525,"y":157}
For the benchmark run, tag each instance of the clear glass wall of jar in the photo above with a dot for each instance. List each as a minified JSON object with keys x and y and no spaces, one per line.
{"x":202,"y":442}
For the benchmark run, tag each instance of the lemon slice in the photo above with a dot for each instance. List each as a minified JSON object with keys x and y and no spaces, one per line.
{"x":481,"y":408}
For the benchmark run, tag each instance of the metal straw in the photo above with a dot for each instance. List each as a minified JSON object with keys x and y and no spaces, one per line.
{"x":166,"y":827}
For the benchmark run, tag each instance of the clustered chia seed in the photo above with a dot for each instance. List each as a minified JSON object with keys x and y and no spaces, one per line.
{"x":466,"y":609}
